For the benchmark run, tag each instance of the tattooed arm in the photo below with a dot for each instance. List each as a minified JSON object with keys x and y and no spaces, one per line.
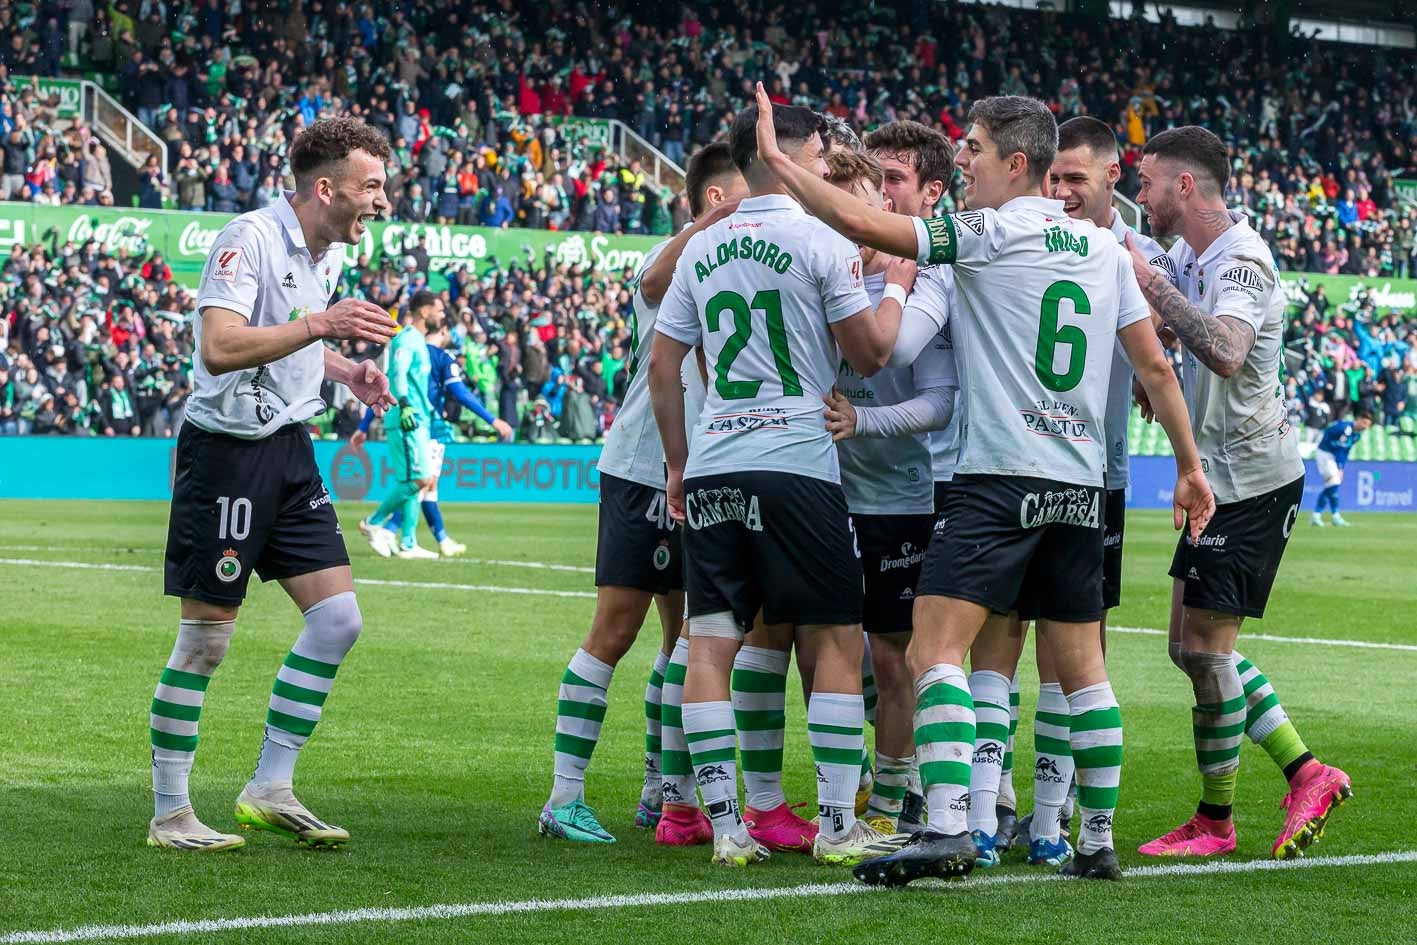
{"x":1219,"y":342}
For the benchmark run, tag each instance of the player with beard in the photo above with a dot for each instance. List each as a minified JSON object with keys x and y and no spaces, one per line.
{"x":1220,"y":294}
{"x":1023,"y":517}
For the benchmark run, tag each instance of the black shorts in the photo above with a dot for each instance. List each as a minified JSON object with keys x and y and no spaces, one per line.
{"x":1114,"y":524}
{"x":638,"y":544}
{"x":892,"y":550}
{"x":941,"y":490}
{"x":773,"y":541}
{"x":1013,"y":542}
{"x":1232,"y":568}
{"x":243,"y":505}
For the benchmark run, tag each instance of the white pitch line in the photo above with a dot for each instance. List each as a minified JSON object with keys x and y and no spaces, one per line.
{"x":539,"y":591}
{"x":94,"y":933}
{"x":496,"y":562}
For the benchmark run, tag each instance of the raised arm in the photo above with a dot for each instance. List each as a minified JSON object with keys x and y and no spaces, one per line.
{"x":846,"y":213}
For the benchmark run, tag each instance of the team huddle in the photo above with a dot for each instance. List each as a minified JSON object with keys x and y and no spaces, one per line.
{"x":880,"y":439}
{"x":966,"y":478}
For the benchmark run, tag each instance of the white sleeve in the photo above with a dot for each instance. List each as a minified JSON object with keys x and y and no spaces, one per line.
{"x":836,"y":266}
{"x":967,"y":240}
{"x":927,"y":312}
{"x":1131,"y":304}
{"x":678,"y":316}
{"x":1243,"y":290}
{"x":936,"y":366}
{"x":231,"y":277}
{"x":929,"y":409}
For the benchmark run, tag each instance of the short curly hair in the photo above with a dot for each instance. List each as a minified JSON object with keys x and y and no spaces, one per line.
{"x":926,"y":149}
{"x":329,"y":141}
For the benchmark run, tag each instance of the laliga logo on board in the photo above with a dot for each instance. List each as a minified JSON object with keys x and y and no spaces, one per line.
{"x":351,"y":474}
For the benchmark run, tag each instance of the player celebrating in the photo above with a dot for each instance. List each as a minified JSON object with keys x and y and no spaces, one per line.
{"x":247,"y":494}
{"x":445,"y":379}
{"x":1339,"y":437}
{"x":1023,"y":513}
{"x":409,"y":447}
{"x":884,"y":465}
{"x":1227,"y":309}
{"x":771,"y":293}
{"x":637,"y":560}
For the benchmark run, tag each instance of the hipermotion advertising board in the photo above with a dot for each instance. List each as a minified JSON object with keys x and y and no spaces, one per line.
{"x":185,"y":239}
{"x":45,"y":467}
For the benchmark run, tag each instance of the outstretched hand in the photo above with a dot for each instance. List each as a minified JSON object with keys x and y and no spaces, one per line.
{"x":768,"y":150}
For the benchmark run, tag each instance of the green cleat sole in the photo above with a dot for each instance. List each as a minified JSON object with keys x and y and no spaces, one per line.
{"x":248,"y":818}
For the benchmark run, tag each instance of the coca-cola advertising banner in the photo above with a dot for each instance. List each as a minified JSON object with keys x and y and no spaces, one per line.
{"x":184,"y":239}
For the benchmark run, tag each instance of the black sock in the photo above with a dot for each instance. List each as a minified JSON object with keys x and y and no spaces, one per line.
{"x":1293,"y":767}
{"x":1214,"y":811}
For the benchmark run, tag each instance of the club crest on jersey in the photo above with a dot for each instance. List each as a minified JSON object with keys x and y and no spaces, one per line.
{"x":705,"y":507}
{"x":1067,"y":506}
{"x":1056,"y":419}
{"x":228,"y":568}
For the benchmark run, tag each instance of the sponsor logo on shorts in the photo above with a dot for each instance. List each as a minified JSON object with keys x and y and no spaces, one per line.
{"x":708,"y":774}
{"x":228,"y":568}
{"x":910,"y":556}
{"x":1068,"y":507}
{"x":705,"y":507}
{"x":1056,"y":420}
{"x":324,"y":499}
{"x":1291,"y":515}
{"x":1208,"y":541}
{"x":661,"y":556}
{"x":1046,"y":769}
{"x":1193,"y":575}
{"x":729,"y":423}
{"x":907,"y":593}
{"x":991,"y":753}
{"x":1112,"y":540}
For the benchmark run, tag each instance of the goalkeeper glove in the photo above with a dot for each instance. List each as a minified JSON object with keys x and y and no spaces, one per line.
{"x":408,"y":420}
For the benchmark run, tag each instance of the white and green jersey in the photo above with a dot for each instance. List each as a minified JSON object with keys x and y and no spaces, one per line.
{"x":1119,"y":390}
{"x":760,"y":290}
{"x":891,"y":475}
{"x":633,"y":450}
{"x":1041,"y":298}
{"x":1247,"y":445}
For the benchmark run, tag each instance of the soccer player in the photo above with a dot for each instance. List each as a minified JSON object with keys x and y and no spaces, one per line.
{"x":1330,"y":459}
{"x":409,"y":444}
{"x":883,"y":467}
{"x":247,"y":494}
{"x":1084,"y":177}
{"x":770,"y":293}
{"x":445,"y":379}
{"x":1221,"y":296}
{"x":638,"y":560}
{"x":1023,"y":516}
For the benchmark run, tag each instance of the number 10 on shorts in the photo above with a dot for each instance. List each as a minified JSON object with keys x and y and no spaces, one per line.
{"x":235,"y":518}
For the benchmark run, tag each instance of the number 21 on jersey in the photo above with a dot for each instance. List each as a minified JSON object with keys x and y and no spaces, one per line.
{"x":769,"y":302}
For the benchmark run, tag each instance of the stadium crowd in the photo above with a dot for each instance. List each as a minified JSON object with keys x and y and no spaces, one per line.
{"x":469,"y":94}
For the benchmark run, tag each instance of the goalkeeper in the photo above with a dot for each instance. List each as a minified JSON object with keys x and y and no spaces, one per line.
{"x":407,"y":426}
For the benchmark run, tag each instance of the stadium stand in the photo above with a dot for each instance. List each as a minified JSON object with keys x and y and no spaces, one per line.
{"x":492,"y":111}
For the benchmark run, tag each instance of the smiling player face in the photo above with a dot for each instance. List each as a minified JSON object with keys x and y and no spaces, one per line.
{"x":356,"y":197}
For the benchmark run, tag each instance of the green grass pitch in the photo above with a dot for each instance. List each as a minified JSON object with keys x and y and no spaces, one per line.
{"x":435,"y":751}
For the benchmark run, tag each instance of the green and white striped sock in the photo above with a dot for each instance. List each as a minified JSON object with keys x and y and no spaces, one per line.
{"x":759,"y":692}
{"x":990,"y":692}
{"x":1095,"y":728}
{"x":944,"y":745}
{"x":678,"y":769}
{"x":580,"y":710}
{"x":303,"y":684}
{"x":1006,"y":777}
{"x":1053,"y":762}
{"x":1263,"y":713}
{"x":836,"y":727}
{"x":888,"y":792}
{"x":177,"y":704}
{"x":708,"y":727}
{"x":652,"y":793}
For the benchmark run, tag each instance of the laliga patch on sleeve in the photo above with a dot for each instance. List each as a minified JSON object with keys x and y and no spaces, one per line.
{"x":226,"y":265}
{"x":853,"y":266}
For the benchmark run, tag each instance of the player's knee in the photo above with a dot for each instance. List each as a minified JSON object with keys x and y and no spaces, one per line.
{"x":1205,"y":670}
{"x":336,"y":623}
{"x":201,"y":645}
